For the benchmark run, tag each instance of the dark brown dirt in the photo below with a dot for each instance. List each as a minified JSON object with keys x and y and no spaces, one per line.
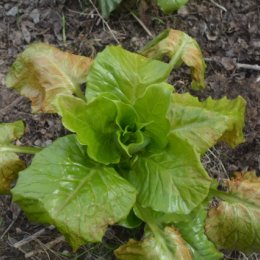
{"x":227,"y":37}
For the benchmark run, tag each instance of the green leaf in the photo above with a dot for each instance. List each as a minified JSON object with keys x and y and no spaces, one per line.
{"x":180,"y":48}
{"x":42,"y":72}
{"x":190,"y":227}
{"x":168,"y":6}
{"x":152,"y":108}
{"x":129,"y":134}
{"x":202,"y":124}
{"x":65,"y":188}
{"x":10,"y":164}
{"x":94,"y":124}
{"x":11,"y":131}
{"x":157,"y":244}
{"x":172,"y":181}
{"x":235,"y":224}
{"x":131,"y":221}
{"x":107,"y":6}
{"x":193,"y":232}
{"x":123,"y":75}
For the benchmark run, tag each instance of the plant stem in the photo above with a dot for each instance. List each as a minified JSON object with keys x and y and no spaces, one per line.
{"x":20,"y":149}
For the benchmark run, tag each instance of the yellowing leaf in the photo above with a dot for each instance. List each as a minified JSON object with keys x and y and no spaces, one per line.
{"x":10,"y":164}
{"x":42,"y":72}
{"x":164,"y":244}
{"x":235,"y":224}
{"x":203,"y":123}
{"x":180,"y":48}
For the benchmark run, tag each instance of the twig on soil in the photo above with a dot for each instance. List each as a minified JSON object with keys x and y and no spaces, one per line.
{"x":218,"y":5}
{"x":105,"y":22}
{"x":219,"y":161}
{"x":48,"y":246}
{"x":9,"y":227}
{"x":142,"y":24}
{"x":14,"y":103}
{"x":238,"y":65}
{"x":31,"y":237}
{"x":248,"y":66}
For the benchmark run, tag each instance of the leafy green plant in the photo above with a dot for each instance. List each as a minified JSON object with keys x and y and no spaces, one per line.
{"x":167,"y":6}
{"x":134,"y":153}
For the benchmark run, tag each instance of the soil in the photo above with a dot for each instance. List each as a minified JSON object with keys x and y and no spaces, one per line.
{"x":228,"y":33}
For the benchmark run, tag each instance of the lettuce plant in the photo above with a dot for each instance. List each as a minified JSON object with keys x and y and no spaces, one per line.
{"x":167,"y":6}
{"x":133,"y":154}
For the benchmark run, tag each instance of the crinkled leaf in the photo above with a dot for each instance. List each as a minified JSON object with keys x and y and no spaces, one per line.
{"x":64,"y":187}
{"x":157,"y":244}
{"x":42,"y":72}
{"x":235,"y":224}
{"x":172,"y":180}
{"x":152,"y":108}
{"x":168,"y":6}
{"x":94,"y":124}
{"x":180,"y":48}
{"x":107,"y":6}
{"x":129,"y":134}
{"x":203,"y":123}
{"x":123,"y":75}
{"x":10,"y":164}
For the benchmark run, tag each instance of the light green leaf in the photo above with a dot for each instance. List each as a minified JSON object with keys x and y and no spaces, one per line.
{"x":107,"y":6}
{"x":193,"y":232}
{"x":235,"y":224}
{"x":10,"y":164}
{"x":65,"y":188}
{"x":94,"y":124}
{"x":11,"y":131}
{"x":172,"y":181}
{"x":202,"y":124}
{"x":168,"y":6}
{"x":42,"y":72}
{"x":123,"y":75}
{"x":129,"y":134}
{"x":157,"y":244}
{"x":180,"y":48}
{"x":152,"y":108}
{"x":190,"y":227}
